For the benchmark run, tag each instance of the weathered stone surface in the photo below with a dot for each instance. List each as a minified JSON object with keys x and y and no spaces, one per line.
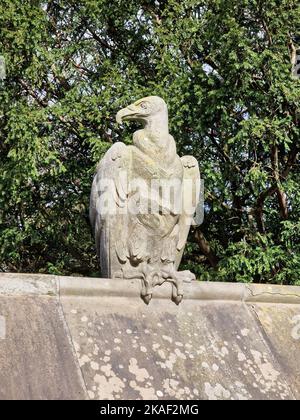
{"x":36,"y":356}
{"x":225,"y":341}
{"x":203,"y":350}
{"x":280,"y":327}
{"x":28,"y":284}
{"x":143,"y":201}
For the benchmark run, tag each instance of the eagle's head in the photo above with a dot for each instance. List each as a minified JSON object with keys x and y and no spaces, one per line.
{"x":144,"y":110}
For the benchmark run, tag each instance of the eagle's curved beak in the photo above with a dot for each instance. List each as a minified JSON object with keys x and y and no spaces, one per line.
{"x":120,"y":115}
{"x":125,"y":114}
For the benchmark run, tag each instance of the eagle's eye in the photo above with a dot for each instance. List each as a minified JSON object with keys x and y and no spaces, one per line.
{"x":143,"y":105}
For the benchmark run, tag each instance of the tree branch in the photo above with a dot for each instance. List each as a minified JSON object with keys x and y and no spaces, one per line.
{"x":205,"y":248}
{"x":258,"y":210}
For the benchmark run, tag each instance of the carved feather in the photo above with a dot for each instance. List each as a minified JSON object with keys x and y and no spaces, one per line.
{"x":109,"y":190}
{"x":190,"y":199}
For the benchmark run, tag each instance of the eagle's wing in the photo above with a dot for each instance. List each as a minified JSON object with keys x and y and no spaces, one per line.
{"x":109,"y":194}
{"x":190,"y":199}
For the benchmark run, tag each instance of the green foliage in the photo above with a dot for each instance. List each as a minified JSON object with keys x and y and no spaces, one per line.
{"x":224,"y":67}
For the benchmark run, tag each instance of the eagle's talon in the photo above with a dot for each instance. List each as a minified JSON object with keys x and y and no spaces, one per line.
{"x":189,"y":277}
{"x":177,"y":299}
{"x":147,"y":298}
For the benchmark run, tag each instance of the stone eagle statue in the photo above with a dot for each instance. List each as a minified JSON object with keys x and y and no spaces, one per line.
{"x":143,"y":201}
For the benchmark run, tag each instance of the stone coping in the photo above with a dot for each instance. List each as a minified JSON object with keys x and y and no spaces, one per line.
{"x":50,"y":285}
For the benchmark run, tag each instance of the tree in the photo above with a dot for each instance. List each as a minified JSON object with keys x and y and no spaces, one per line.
{"x":224,"y":67}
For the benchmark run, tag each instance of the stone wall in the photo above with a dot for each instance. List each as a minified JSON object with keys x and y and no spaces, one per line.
{"x":74,"y":338}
